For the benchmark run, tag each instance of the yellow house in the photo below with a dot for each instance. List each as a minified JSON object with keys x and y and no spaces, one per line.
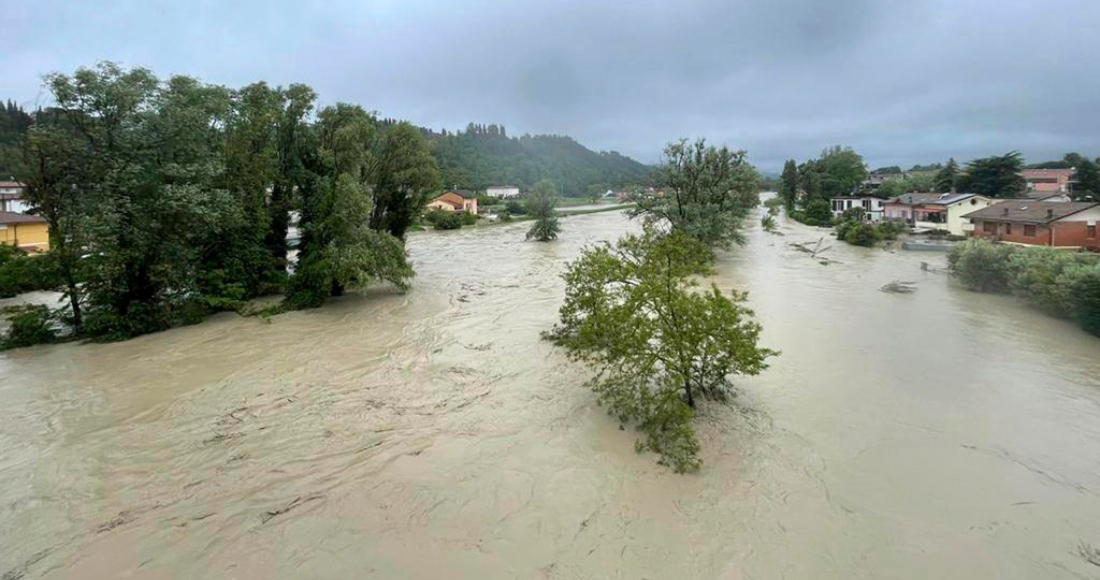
{"x":27,"y":232}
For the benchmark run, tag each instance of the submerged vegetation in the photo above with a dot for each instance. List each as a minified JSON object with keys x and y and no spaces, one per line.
{"x":541,"y":206}
{"x":635,"y":314}
{"x":1060,"y":283}
{"x":656,"y":344}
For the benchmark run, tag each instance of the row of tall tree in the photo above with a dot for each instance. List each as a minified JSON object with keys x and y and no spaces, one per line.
{"x":806,"y":188}
{"x":169,"y":199}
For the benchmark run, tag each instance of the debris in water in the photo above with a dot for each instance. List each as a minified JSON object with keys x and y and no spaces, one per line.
{"x":898,"y":287}
{"x":280,"y":511}
{"x":1089,"y":553}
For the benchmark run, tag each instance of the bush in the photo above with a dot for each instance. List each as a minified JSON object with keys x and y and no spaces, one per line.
{"x":1035,"y":278}
{"x":443,"y":220}
{"x":515,"y":207}
{"x":768,"y":223}
{"x":21,"y":273}
{"x":860,"y":234}
{"x":816,"y":213}
{"x":1084,"y":287}
{"x":31,"y":324}
{"x":889,"y":230}
{"x":981,"y":265}
{"x":468,"y":219}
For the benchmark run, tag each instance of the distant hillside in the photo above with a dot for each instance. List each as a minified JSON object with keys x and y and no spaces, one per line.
{"x":483,"y":155}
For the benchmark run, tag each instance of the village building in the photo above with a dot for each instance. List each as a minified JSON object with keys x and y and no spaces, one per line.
{"x":1068,"y":225}
{"x":11,"y":197}
{"x":502,"y":191}
{"x":29,"y":233}
{"x":948,"y":212}
{"x":455,"y":200}
{"x":1048,"y":180}
{"x":872,"y":206}
{"x":902,"y":208}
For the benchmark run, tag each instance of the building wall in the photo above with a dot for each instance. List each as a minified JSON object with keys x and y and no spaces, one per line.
{"x":440,"y":204}
{"x":956,"y":223}
{"x":27,"y":234}
{"x":897,"y":211}
{"x":504,"y":192}
{"x":1066,"y":234}
{"x":470,"y":205}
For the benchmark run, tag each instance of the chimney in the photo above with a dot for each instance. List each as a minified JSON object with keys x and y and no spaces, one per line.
{"x":1006,"y":210}
{"x":1050,"y":212}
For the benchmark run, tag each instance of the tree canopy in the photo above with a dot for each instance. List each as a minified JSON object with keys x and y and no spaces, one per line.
{"x":996,"y":176}
{"x":708,"y":192}
{"x":541,"y":206}
{"x":657,"y":346}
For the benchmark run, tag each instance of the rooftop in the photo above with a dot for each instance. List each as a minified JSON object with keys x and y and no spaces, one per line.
{"x":7,"y":217}
{"x":1032,"y":212}
{"x":915,"y":198}
{"x":950,"y":198}
{"x":6,"y":184}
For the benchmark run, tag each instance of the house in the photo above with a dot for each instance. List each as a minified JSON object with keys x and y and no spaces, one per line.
{"x":948,"y":211}
{"x":1058,"y":224}
{"x":455,"y":200}
{"x":1045,"y":196}
{"x":872,"y":206}
{"x":1049,"y":180}
{"x":502,"y":191}
{"x":902,"y":208}
{"x":26,"y":232}
{"x":11,"y":197}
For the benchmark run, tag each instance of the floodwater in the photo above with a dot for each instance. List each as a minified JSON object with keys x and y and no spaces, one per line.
{"x":939,"y":434}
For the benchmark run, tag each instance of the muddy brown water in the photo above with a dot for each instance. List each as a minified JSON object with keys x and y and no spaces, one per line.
{"x":939,"y":434}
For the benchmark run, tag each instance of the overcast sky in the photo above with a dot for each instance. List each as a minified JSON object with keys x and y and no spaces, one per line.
{"x":902,"y":81}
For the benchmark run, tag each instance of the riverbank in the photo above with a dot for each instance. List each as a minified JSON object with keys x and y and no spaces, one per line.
{"x":433,"y":434}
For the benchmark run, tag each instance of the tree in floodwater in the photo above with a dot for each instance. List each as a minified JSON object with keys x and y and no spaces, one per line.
{"x":632,"y":313}
{"x":708,"y":192}
{"x":339,"y":248}
{"x":541,"y":206}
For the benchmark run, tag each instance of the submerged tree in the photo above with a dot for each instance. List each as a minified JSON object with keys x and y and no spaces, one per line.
{"x":339,"y":247}
{"x":788,"y":184}
{"x":708,"y":192}
{"x":632,"y":313}
{"x":541,"y":206}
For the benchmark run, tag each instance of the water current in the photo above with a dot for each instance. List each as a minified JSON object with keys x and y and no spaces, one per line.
{"x":432,"y":434}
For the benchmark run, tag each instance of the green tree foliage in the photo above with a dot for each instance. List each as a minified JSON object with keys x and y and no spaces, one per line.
{"x":789,"y":184}
{"x":443,"y":220}
{"x":947,"y":179}
{"x":708,"y":192}
{"x":541,"y":206}
{"x":340,"y":248}
{"x":632,"y":313}
{"x":21,"y":273}
{"x":1086,"y":184}
{"x":997,"y":176}
{"x":1059,"y":283}
{"x":479,"y":157}
{"x":168,"y":199}
{"x":14,"y":123}
{"x":842,"y":171}
{"x":888,"y":170}
{"x":28,"y":325}
{"x":515,"y":207}
{"x":401,"y":174}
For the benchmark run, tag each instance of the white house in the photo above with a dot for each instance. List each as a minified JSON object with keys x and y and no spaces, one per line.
{"x":872,"y":206}
{"x":502,"y":191}
{"x":946,"y":212}
{"x":11,"y":197}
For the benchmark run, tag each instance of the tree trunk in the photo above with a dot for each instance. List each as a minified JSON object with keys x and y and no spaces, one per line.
{"x":690,"y":396}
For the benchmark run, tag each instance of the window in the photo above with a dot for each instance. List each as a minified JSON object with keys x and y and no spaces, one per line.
{"x":989,"y":227}
{"x":1091,"y":231}
{"x":1008,"y":229}
{"x":1029,"y":231}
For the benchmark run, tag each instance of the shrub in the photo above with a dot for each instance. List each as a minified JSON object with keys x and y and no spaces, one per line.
{"x":982,"y":265}
{"x":468,"y":219}
{"x":443,"y":220}
{"x":21,"y":273}
{"x":889,"y":230}
{"x":768,"y":223}
{"x":860,"y":234}
{"x":1084,"y":287}
{"x":30,"y":324}
{"x":515,"y":207}
{"x":1035,"y":278}
{"x":816,"y":213}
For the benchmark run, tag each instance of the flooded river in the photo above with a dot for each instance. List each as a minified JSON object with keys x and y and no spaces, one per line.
{"x":939,"y":434}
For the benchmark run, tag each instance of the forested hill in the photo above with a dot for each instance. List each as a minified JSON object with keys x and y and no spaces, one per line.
{"x":14,"y":122}
{"x":484,"y":155}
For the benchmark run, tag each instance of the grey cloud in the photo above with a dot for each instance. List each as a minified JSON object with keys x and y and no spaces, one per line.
{"x":902,"y":82}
